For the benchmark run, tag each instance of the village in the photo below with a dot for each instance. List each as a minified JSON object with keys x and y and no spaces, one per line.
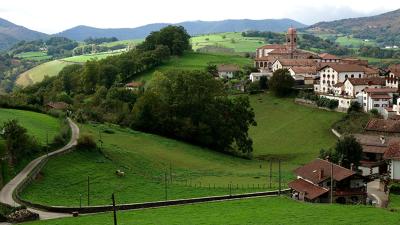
{"x":346,"y":81}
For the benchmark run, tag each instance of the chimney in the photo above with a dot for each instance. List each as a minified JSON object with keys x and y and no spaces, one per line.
{"x":383,"y":139}
{"x":321,"y":174}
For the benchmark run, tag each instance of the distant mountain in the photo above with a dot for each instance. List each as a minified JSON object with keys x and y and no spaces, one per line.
{"x":384,"y":28}
{"x":11,"y":33}
{"x":80,"y":33}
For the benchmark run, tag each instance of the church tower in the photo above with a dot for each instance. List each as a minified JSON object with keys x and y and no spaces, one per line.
{"x":291,"y":39}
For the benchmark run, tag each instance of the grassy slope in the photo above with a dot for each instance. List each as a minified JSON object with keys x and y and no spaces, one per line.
{"x":37,"y":73}
{"x":232,"y":40}
{"x":37,"y":124}
{"x":394,"y":202}
{"x":145,"y":158}
{"x":250,"y":211}
{"x":35,"y":56}
{"x":85,"y":58}
{"x":354,"y":42}
{"x":195,"y":61}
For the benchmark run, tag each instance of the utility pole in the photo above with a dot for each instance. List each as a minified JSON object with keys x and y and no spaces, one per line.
{"x":279,"y":193}
{"x":331,"y":183}
{"x":114,"y":209}
{"x":270,"y":174}
{"x":88,"y":191}
{"x":165,"y":186}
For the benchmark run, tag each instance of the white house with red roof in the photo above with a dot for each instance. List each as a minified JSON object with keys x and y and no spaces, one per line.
{"x":377,"y":98}
{"x":392,"y":155}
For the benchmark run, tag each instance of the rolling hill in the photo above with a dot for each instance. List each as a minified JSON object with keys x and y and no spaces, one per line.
{"x":383,"y":28}
{"x":11,"y":33}
{"x":80,"y":33}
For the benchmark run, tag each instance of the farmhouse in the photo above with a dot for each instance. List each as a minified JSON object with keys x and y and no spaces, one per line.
{"x":393,"y":79}
{"x":315,"y":180}
{"x":377,"y":98}
{"x":268,"y":54}
{"x":254,"y":77}
{"x":227,"y":71}
{"x":353,"y":86}
{"x":328,"y":58}
{"x":289,"y":63}
{"x":304,"y":74}
{"x":392,"y":156}
{"x":57,"y":106}
{"x":134,"y":86}
{"x":337,"y":73}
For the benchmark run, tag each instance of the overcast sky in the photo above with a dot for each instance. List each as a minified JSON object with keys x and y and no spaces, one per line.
{"x":51,"y":16}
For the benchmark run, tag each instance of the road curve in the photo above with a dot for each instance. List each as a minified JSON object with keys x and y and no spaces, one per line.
{"x":6,"y":194}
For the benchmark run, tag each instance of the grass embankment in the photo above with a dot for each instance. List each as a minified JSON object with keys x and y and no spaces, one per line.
{"x":271,"y":210}
{"x":232,"y":40}
{"x":287,"y":131}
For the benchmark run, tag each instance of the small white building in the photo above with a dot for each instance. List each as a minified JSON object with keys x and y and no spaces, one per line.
{"x":305,"y":74}
{"x":227,"y":71}
{"x":392,"y":156}
{"x":353,"y":86}
{"x":134,"y":86}
{"x":288,"y":63}
{"x":254,"y":77}
{"x":337,"y":73}
{"x":376,"y":98}
{"x":328,"y":58}
{"x":393,"y":79}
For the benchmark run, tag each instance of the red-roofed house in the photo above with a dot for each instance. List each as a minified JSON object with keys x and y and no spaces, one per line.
{"x":392,"y":155}
{"x":394,"y":76}
{"x":313,"y":183}
{"x":353,"y":86}
{"x":328,"y":58}
{"x":377,"y":98}
{"x":134,"y":86}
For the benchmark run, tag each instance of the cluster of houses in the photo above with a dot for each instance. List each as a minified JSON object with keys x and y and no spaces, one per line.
{"x":346,"y":80}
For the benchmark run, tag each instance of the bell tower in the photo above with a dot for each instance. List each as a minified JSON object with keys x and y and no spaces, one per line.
{"x":291,"y":39}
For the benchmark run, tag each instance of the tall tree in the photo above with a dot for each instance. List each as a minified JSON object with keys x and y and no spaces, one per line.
{"x":348,"y":151}
{"x":281,"y":82}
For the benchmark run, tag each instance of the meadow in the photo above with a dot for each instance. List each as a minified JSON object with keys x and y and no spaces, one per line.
{"x":268,"y":210}
{"x":33,"y":56}
{"x":191,"y":171}
{"x":195,"y":61}
{"x":352,"y":42}
{"x":232,"y":40}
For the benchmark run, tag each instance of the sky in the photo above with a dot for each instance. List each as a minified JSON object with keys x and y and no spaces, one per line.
{"x":52,"y":16}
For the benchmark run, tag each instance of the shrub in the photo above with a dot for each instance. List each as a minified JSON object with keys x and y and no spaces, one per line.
{"x":395,"y":188}
{"x":86,"y":142}
{"x":327,"y":103}
{"x":374,"y":112}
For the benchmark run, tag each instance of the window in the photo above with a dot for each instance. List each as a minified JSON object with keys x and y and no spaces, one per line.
{"x":323,"y":81}
{"x":359,"y":75}
{"x":352,"y":76}
{"x":346,"y":76}
{"x":376,"y":105}
{"x":323,"y":75}
{"x":365,"y":104}
{"x":333,"y":76}
{"x":333,"y":82}
{"x":329,"y":76}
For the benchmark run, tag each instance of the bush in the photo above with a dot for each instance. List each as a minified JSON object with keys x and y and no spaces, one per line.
{"x":395,"y":188}
{"x":354,"y":107}
{"x":308,"y":95}
{"x":374,"y":112}
{"x":327,"y":103}
{"x":86,"y":142}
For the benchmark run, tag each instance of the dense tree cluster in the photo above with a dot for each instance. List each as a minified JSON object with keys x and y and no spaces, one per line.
{"x":377,"y":52}
{"x":101,"y":40}
{"x":347,"y":152}
{"x":56,"y":46}
{"x":270,"y":37}
{"x":192,"y":106}
{"x":281,"y":82}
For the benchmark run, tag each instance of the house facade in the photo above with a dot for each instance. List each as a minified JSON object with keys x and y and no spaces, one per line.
{"x":354,"y":86}
{"x":322,"y":181}
{"x":377,"y":98}
{"x":392,"y":156}
{"x":394,"y":76}
{"x":227,"y":71}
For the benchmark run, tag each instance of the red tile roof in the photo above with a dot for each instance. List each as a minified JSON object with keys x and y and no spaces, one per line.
{"x":320,"y":170}
{"x":381,"y":125}
{"x":393,"y":152}
{"x":367,"y":81}
{"x":272,"y":46}
{"x":304,"y":69}
{"x":380,"y":96}
{"x":342,"y":67}
{"x":328,"y":56}
{"x":228,"y":68}
{"x":311,"y":191}
{"x":58,"y":105}
{"x":381,"y":90}
{"x":395,"y":69}
{"x":298,"y":62}
{"x":134,"y":84}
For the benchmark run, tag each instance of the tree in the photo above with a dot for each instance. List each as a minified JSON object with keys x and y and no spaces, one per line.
{"x":263,"y":82}
{"x":354,"y":107}
{"x":18,"y":143}
{"x":212,"y":69}
{"x":281,"y":82}
{"x":348,"y":151}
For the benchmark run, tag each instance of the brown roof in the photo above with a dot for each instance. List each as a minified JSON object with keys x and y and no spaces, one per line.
{"x":320,"y":170}
{"x":134,"y":84}
{"x":58,"y":105}
{"x":304,"y":69}
{"x":328,"y":56}
{"x":381,"y":90}
{"x":371,"y":70}
{"x":342,"y":67}
{"x":395,"y":69}
{"x":338,"y":84}
{"x":380,"y":96}
{"x":273,"y":46}
{"x":228,"y":68}
{"x":311,"y":191}
{"x":355,"y":61}
{"x":381,"y":125}
{"x":393,"y":152}
{"x":367,"y":81}
{"x":298,"y":62}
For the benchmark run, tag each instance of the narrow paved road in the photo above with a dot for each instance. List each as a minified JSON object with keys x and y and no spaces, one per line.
{"x":6,"y":194}
{"x":380,"y":196}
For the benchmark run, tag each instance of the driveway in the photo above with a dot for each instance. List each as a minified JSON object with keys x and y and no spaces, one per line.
{"x":380,"y":196}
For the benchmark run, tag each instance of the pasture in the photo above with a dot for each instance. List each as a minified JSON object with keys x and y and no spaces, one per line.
{"x":233,"y":40}
{"x":191,"y":171}
{"x":269,"y":210}
{"x":33,"y":56}
{"x":353,"y":42}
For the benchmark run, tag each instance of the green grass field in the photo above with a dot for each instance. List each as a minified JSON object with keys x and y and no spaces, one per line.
{"x":269,"y":210}
{"x":231,"y":40}
{"x":34,"y":56}
{"x":85,"y":58}
{"x":37,"y":124}
{"x":122,"y":42}
{"x":195,"y":61}
{"x":145,"y":158}
{"x":349,"y":41}
{"x":394,"y":202}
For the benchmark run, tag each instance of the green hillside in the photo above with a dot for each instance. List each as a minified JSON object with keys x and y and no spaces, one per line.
{"x":145,"y":158}
{"x":267,"y":210}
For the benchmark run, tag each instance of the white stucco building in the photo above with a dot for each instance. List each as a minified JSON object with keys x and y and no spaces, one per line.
{"x":377,"y":98}
{"x":393,"y":79}
{"x":254,"y":77}
{"x":392,"y":157}
{"x":337,"y":73}
{"x":227,"y":71}
{"x":354,"y":86}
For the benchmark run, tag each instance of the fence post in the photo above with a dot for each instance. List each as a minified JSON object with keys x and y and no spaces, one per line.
{"x":270,"y":174}
{"x":279,"y":177}
{"x":165,"y":186}
{"x":88,"y":191}
{"x":114,"y":209}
